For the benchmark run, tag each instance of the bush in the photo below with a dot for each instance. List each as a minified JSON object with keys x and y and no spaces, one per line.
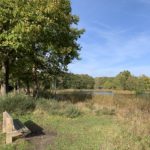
{"x":139,"y":92}
{"x":54,"y":107}
{"x":72,"y":112}
{"x":19,"y":104}
{"x":51,"y":106}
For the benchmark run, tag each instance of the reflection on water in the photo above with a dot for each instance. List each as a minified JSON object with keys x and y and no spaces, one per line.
{"x":145,"y":96}
{"x":84,"y":95}
{"x":95,"y":92}
{"x":103,"y":93}
{"x":142,"y":96}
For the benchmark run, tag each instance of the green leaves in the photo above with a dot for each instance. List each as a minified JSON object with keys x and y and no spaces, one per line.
{"x":32,"y":29}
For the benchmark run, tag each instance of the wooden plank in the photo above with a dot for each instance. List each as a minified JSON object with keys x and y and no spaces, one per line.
{"x":4,"y":123}
{"x":7,"y":122}
{"x":13,"y":128}
{"x":8,"y":138}
{"x":20,"y":127}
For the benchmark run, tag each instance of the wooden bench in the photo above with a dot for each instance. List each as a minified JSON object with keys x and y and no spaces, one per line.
{"x":13,"y":128}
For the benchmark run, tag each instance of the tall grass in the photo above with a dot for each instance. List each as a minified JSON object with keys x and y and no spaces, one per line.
{"x":119,"y":121}
{"x":132,"y":110}
{"x":55,"y":107}
{"x":19,"y":104}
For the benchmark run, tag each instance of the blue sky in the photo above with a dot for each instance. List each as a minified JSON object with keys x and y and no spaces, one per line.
{"x":117,"y":37}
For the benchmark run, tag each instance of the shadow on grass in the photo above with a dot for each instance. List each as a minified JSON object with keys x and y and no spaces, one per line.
{"x":35,"y":129}
{"x":39,"y":138}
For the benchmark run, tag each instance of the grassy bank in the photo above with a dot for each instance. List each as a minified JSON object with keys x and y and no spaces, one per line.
{"x":117,"y":122}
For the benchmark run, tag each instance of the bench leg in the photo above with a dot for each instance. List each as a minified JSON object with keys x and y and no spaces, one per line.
{"x":4,"y":122}
{"x":8,"y":138}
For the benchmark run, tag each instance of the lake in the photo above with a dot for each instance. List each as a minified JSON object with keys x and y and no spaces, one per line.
{"x":103,"y":93}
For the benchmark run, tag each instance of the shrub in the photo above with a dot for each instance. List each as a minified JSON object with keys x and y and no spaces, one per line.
{"x":49,"y":105}
{"x":139,"y":92}
{"x":55,"y":107}
{"x":72,"y":112}
{"x":19,"y":104}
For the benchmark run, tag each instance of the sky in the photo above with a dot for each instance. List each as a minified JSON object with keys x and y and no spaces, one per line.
{"x":117,"y":37}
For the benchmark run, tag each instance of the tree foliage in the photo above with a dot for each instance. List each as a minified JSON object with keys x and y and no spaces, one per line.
{"x":75,"y":81}
{"x":37,"y":38}
{"x":124,"y":81}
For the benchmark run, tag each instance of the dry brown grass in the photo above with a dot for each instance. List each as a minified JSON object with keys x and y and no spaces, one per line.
{"x":107,"y":122}
{"x":133,"y":111}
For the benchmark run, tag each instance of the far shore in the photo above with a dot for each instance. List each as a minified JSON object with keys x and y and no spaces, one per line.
{"x":95,"y":90}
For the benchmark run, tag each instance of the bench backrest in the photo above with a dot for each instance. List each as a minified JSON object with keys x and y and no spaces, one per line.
{"x":8,"y":125}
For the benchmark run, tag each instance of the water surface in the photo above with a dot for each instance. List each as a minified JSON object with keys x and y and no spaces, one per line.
{"x":103,"y":93}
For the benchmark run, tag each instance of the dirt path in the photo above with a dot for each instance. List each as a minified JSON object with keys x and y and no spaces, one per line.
{"x":41,"y":142}
{"x":40,"y":138}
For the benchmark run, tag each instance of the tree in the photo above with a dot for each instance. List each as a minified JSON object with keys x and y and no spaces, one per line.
{"x":105,"y":82}
{"x":8,"y":38}
{"x":122,"y":79}
{"x":146,"y":81}
{"x":75,"y":81}
{"x":132,"y":83}
{"x":36,"y":30}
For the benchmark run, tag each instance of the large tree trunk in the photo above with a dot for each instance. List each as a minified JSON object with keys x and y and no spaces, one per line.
{"x":3,"y":89}
{"x":7,"y":75}
{"x":36,"y":83}
{"x":17,"y":86}
{"x":3,"y":86}
{"x":28,"y":88}
{"x":5,"y":78}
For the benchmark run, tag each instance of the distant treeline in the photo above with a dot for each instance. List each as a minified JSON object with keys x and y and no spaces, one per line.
{"x":124,"y":81}
{"x":75,"y":81}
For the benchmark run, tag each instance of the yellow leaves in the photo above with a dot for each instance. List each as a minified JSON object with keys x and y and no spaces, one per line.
{"x":66,"y":50}
{"x":42,"y":21}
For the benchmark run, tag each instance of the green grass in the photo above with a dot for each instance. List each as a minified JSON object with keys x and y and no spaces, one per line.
{"x":19,"y":104}
{"x":18,"y":145}
{"x":99,"y":128}
{"x":84,"y":133}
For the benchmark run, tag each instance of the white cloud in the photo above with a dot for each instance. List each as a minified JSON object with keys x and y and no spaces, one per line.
{"x":117,"y":53}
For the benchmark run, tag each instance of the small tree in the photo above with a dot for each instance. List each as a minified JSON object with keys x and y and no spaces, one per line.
{"x":122,"y":79}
